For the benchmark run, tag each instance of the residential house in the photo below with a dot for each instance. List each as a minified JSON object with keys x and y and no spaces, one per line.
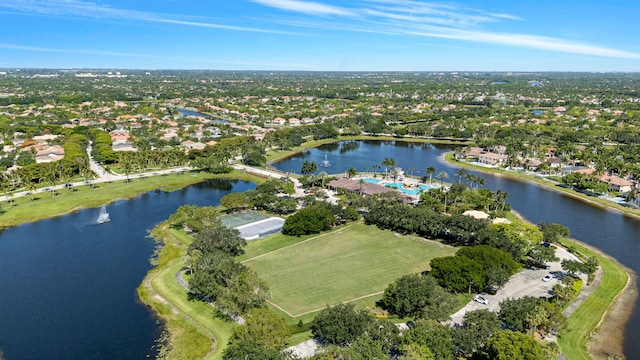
{"x":48,"y":154}
{"x":617,"y":184}
{"x":492,"y":159}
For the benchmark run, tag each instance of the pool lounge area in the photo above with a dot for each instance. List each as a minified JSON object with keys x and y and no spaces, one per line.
{"x":402,"y":187}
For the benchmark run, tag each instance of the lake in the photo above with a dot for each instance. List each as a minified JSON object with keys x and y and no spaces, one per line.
{"x":612,"y":232}
{"x":68,"y":285}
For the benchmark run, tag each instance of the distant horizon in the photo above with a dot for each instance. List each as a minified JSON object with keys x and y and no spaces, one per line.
{"x":322,"y":35}
{"x":506,"y":72}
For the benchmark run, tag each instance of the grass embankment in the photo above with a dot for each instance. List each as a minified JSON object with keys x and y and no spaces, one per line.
{"x":193,"y":331}
{"x":351,"y":263}
{"x":44,"y":205}
{"x":585,"y":320}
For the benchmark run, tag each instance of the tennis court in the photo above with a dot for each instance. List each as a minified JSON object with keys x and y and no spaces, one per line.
{"x":252,"y":225}
{"x":242,"y":218}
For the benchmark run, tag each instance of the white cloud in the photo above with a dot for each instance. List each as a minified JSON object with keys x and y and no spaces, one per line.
{"x":92,"y":10}
{"x":403,"y":18}
{"x":306,"y":7}
{"x":440,"y":20}
{"x":217,"y":26}
{"x":70,"y":51}
{"x":523,"y":40}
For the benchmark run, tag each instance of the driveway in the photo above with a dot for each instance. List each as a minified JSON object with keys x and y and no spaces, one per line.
{"x":525,"y":283}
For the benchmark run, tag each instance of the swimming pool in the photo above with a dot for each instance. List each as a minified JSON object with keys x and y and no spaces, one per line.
{"x":412,"y":192}
{"x":372,"y":180}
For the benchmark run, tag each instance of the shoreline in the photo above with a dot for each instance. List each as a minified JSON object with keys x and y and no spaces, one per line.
{"x":104,"y":194}
{"x":283,"y":154}
{"x":606,"y":338}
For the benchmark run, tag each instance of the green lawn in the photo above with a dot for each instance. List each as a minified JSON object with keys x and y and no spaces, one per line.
{"x":45,"y":205}
{"x":195,"y":332}
{"x":573,"y":337}
{"x":353,"y":262}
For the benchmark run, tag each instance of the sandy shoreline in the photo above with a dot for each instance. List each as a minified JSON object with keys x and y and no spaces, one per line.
{"x":607,"y":340}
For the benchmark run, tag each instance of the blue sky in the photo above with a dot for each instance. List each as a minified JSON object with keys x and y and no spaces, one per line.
{"x":363,"y":35}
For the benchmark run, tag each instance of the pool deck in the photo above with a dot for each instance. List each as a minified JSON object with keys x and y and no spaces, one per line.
{"x":405,"y":185}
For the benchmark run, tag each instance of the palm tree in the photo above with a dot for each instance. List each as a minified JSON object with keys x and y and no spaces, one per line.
{"x":387,"y":162}
{"x":410,"y":170}
{"x":480,"y":181}
{"x":126,"y":165}
{"x":322,"y":174}
{"x":471,"y":179}
{"x":430,"y":171}
{"x":5,"y":185}
{"x":442,"y":175}
{"x":351,"y":172}
{"x":460,"y":174}
{"x":107,"y":172}
{"x":309,"y":167}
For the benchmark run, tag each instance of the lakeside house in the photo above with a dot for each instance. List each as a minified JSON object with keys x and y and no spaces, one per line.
{"x":494,"y":156}
{"x":489,"y":158}
{"x":617,"y":184}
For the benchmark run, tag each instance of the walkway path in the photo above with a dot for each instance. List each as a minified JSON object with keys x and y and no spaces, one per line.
{"x":272,"y":174}
{"x":584,"y":293}
{"x":280,"y":175}
{"x":103,"y":176}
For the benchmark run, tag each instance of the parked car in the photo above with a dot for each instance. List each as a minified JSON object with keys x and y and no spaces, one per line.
{"x":481,"y":300}
{"x":547,"y":278}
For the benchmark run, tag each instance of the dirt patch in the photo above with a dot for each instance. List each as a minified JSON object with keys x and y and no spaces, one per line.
{"x":160,"y":299}
{"x":606,"y":342}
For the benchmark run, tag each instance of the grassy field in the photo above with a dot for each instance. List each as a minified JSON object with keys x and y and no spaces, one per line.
{"x":354,"y":262}
{"x":573,"y":337}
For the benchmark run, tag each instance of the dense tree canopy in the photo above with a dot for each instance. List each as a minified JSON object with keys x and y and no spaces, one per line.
{"x":341,"y":324}
{"x":509,"y":345}
{"x":419,"y":296}
{"x":218,"y":237}
{"x":264,"y":329}
{"x":480,"y":268}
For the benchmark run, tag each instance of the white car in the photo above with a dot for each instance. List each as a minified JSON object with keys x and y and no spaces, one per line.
{"x":547,"y":278}
{"x":481,"y":300}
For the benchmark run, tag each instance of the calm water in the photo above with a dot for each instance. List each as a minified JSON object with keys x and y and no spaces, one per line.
{"x":615,"y":234}
{"x":68,"y":286}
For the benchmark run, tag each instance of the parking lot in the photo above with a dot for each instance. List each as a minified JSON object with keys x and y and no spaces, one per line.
{"x":525,"y":283}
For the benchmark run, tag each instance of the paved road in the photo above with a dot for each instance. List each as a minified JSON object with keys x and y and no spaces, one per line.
{"x":103,"y":179}
{"x":279,"y":175}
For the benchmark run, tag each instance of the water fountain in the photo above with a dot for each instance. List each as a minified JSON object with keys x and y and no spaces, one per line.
{"x":325,"y":162}
{"x":103,"y":217}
